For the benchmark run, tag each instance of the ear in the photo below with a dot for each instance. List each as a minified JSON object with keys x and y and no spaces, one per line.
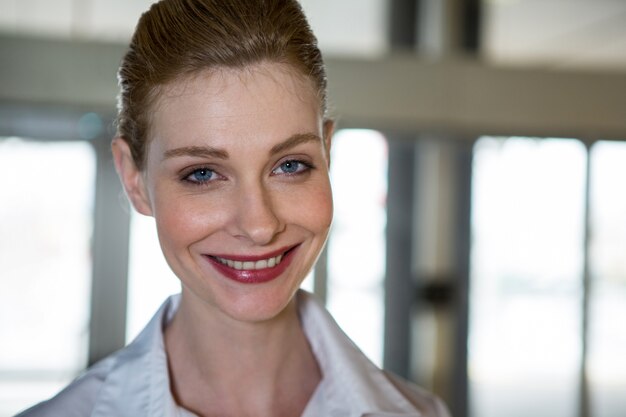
{"x":329,"y":129}
{"x":131,"y":177}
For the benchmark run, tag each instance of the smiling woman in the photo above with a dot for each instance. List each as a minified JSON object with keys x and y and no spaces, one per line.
{"x":223,"y":138}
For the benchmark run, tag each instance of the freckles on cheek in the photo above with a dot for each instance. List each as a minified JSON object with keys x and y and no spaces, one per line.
{"x":179,"y":222}
{"x":317,"y":209}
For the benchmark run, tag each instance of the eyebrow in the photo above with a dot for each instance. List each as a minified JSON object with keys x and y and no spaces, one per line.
{"x":294,"y":141}
{"x":209,"y":151}
{"x":197,"y":151}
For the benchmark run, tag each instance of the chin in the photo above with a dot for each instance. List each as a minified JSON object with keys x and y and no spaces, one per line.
{"x":251,"y":303}
{"x":259,"y":304}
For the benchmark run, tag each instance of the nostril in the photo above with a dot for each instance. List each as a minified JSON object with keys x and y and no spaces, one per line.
{"x":257,"y":218}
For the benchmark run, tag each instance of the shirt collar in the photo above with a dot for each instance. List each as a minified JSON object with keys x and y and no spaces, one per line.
{"x":352,"y":385}
{"x":138,"y":384}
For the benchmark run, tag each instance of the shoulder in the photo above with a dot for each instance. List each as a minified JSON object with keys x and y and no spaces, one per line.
{"x":110,"y":385}
{"x":428,"y":404}
{"x":78,"y":398}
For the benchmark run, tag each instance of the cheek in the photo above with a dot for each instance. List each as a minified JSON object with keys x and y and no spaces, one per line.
{"x":313,"y":208}
{"x":184,"y":220}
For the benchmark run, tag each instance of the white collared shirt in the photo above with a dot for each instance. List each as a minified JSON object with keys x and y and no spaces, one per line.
{"x":134,"y":382}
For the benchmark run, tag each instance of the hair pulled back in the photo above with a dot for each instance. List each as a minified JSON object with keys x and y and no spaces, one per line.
{"x":179,"y":38}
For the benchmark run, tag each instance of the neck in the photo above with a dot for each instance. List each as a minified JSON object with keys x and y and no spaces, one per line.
{"x":220,"y":366}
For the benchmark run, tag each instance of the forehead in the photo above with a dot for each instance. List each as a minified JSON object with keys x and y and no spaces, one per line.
{"x":261,"y":82}
{"x":229,"y":101}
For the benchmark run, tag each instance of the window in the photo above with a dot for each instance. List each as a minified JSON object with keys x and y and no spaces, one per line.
{"x":529,"y":266}
{"x":607,"y":332}
{"x":328,"y":19}
{"x":356,"y":247}
{"x":46,"y":195}
{"x":150,"y":279}
{"x":526,"y":276}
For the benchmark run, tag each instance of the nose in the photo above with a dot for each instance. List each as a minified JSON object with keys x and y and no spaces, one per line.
{"x":257,"y":218}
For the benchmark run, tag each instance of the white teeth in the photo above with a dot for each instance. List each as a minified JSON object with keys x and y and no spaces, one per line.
{"x":250,"y":265}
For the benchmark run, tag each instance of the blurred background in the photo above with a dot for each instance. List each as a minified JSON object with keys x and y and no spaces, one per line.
{"x":479,"y":241}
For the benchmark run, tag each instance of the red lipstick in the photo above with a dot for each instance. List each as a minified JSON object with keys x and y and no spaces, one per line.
{"x":253,"y":276}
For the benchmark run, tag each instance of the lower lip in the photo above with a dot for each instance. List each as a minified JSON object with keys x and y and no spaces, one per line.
{"x":254,"y":276}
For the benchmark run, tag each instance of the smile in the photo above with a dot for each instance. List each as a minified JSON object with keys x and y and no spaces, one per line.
{"x":253,"y":269}
{"x":251,"y":265}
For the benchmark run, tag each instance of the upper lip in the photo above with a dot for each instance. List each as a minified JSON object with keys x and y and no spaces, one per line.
{"x":254,"y":258}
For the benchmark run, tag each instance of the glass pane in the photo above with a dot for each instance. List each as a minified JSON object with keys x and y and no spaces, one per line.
{"x":328,"y":19}
{"x":46,"y":195}
{"x":150,"y":279}
{"x":526,"y":274}
{"x":113,"y":19}
{"x":607,"y":333}
{"x":356,"y":249}
{"x":555,"y":33}
{"x":42,"y":17}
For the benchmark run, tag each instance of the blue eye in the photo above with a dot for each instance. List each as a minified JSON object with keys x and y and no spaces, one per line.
{"x":201,"y":175}
{"x":291,"y":167}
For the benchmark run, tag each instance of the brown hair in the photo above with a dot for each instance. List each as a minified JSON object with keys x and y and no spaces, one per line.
{"x":178,"y":38}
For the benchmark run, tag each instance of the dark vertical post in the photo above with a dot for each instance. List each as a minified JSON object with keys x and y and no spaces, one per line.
{"x":403,"y":24}
{"x":399,"y":287}
{"x":467,"y":14}
{"x":320,"y":277}
{"x":459,"y":380}
{"x":470,"y":43}
{"x":453,"y":26}
{"x":472,"y":21}
{"x":107,"y":329}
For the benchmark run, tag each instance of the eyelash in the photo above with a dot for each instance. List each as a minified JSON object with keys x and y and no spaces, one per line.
{"x":303,"y":167}
{"x":186,"y":177}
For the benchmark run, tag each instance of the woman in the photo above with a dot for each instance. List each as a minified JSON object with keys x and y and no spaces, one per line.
{"x":223,"y":138}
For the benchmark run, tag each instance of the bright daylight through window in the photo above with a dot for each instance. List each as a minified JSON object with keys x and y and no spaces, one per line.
{"x":46,"y":195}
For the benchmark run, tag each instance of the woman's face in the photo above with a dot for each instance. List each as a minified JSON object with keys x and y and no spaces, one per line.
{"x":236,"y":177}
